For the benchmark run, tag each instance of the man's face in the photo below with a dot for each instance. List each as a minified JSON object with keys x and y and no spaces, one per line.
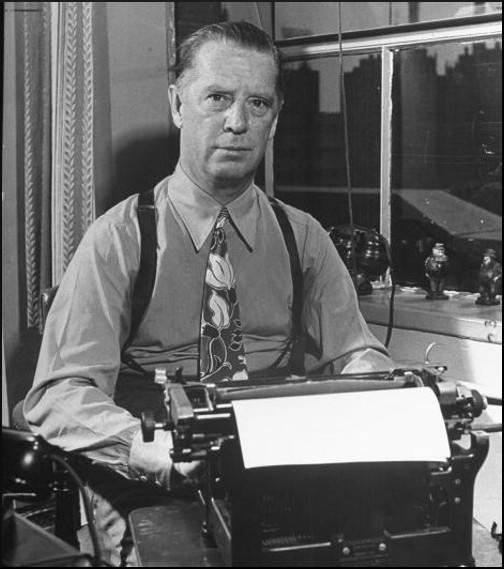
{"x":227,"y":110}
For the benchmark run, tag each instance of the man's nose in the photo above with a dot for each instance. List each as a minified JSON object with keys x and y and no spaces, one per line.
{"x":236,"y":118}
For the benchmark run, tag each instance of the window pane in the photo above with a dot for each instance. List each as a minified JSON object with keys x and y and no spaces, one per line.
{"x":410,"y":12}
{"x":447,"y":158}
{"x":309,"y":155}
{"x":191,"y":16}
{"x":257,"y":13}
{"x":295,"y":19}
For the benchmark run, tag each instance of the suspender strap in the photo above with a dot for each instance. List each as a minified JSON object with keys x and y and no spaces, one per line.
{"x":296,"y":362}
{"x":144,"y":284}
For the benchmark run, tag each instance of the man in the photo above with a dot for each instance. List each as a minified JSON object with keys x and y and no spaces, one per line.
{"x":226,"y":103}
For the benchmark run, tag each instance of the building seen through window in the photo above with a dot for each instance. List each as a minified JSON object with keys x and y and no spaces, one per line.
{"x":309,"y":149}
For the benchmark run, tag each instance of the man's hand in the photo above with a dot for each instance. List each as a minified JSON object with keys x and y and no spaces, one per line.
{"x":151,"y":462}
{"x":192,"y":469}
{"x":367,"y":360}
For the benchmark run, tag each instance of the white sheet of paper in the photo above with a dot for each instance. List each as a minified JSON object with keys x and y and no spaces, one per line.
{"x":366,"y":426}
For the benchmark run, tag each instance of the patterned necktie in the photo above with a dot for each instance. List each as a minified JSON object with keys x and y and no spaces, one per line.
{"x":222,"y":356}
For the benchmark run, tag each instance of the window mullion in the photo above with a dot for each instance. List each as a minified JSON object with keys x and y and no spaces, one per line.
{"x":386,"y":142}
{"x":387,"y":69}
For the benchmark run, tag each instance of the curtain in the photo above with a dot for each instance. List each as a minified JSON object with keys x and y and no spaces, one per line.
{"x":55,"y":42}
{"x":33,"y":42}
{"x":73,"y":199}
{"x":5,"y":401}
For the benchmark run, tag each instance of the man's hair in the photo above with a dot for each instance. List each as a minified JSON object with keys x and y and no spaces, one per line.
{"x":241,"y":33}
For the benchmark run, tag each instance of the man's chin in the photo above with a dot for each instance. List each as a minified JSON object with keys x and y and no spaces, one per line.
{"x":231,"y":172}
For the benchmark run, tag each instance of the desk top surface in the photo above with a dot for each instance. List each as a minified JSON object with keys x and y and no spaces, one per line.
{"x":170,"y":536}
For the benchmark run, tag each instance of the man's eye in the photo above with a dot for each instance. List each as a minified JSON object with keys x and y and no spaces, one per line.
{"x":259,"y":106}
{"x":217,"y":99}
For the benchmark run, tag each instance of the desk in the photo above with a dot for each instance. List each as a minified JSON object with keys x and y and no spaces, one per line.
{"x":169,"y":536}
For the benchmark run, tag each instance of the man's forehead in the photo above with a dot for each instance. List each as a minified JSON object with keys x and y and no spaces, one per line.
{"x":228,"y":66}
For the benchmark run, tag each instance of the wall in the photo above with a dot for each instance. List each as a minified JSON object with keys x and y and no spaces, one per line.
{"x":144,"y":145}
{"x":468,"y":360}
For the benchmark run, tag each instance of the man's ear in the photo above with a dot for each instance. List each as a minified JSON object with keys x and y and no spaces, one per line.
{"x":175,"y":105}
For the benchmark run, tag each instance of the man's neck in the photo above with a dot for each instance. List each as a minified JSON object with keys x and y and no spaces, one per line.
{"x":223,"y":190}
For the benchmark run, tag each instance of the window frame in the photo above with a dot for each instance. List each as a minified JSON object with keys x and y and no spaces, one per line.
{"x":387,"y":41}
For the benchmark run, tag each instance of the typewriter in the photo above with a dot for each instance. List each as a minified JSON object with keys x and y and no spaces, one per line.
{"x":388,"y":514}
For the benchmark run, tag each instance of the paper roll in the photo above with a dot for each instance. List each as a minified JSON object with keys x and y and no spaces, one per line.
{"x":368,"y":426}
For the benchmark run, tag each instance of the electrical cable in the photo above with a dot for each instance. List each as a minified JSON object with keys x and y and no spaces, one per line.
{"x":347,"y":150}
{"x":87,"y":506}
{"x":390,"y":324}
{"x":256,"y":4}
{"x":349,"y":189}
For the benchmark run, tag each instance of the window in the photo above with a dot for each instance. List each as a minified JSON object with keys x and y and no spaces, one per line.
{"x":425,"y":128}
{"x":309,"y":161}
{"x":423,"y":97}
{"x":447,"y":157}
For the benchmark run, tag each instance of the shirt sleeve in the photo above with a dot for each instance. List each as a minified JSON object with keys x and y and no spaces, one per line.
{"x":338,"y":338}
{"x":71,"y":401}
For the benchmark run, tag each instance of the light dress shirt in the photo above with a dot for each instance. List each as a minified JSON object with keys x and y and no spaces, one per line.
{"x":71,"y":401}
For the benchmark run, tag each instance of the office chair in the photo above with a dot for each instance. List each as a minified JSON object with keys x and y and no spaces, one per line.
{"x":66,"y":496}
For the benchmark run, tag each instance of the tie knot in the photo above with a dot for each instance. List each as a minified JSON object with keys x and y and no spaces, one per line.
{"x":222,"y":217}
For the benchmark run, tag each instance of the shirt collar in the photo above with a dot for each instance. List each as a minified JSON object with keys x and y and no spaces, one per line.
{"x":198,"y":210}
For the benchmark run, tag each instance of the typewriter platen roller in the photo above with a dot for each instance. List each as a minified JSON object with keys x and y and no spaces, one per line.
{"x":394,"y":514}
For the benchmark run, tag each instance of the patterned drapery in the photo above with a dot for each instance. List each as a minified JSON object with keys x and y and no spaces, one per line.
{"x":73,"y":198}
{"x":33,"y":31}
{"x":56,"y":43}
